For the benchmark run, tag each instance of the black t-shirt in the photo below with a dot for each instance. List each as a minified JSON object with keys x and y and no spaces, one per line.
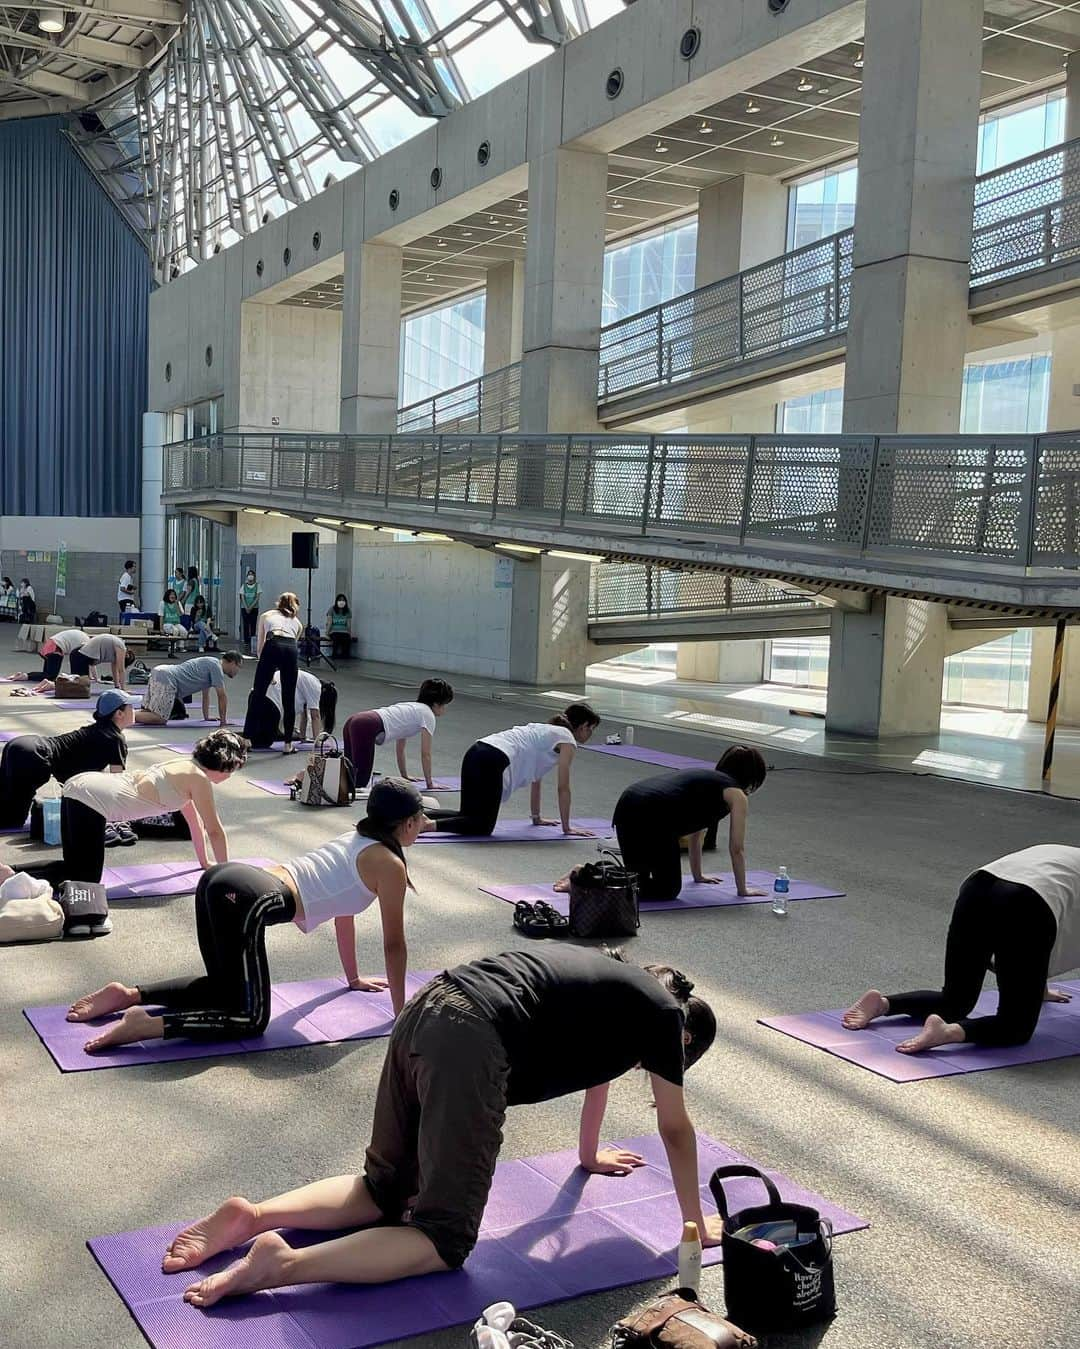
{"x":572,"y":1018}
{"x":90,"y":749}
{"x":680,"y":803}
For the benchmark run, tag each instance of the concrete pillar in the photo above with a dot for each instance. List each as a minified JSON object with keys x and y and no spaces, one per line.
{"x":158,"y":428}
{"x":741,"y":222}
{"x":344,"y":557}
{"x":549,"y":621}
{"x":1072,"y":96}
{"x":503,"y":303}
{"x":918,"y":138}
{"x":721,"y":662}
{"x":564,"y":278}
{"x":1063,"y":410}
{"x":371,"y":339}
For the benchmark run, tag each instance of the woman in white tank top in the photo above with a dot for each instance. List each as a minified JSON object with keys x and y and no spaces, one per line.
{"x":234,"y":905}
{"x":92,"y":801}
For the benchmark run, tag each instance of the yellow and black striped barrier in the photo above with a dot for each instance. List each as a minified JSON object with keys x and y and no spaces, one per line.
{"x":1052,"y":702}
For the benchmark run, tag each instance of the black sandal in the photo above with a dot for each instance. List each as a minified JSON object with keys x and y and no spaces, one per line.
{"x":524,"y":916}
{"x":557,"y":924}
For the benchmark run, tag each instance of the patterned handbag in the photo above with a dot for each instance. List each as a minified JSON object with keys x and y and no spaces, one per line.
{"x":328,"y":779}
{"x":603,"y":899}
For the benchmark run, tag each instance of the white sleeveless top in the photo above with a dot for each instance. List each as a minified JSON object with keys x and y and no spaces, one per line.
{"x":277,"y":624}
{"x":531,"y":751}
{"x":116,"y":796}
{"x":327,"y":881}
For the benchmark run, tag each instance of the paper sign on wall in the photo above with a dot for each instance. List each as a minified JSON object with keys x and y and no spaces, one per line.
{"x":504,"y":573}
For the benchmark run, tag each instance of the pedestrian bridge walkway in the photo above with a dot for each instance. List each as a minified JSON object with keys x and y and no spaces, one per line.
{"x":973,"y":520}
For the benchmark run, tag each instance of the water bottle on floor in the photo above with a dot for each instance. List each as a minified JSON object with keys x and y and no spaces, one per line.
{"x":781,"y":886}
{"x":50,"y":812}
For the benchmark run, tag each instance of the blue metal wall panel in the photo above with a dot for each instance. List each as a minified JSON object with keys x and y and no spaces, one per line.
{"x":74,"y":286}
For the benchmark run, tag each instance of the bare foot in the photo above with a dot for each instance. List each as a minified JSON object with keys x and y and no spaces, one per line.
{"x":266,"y":1265}
{"x":136,"y":1024}
{"x":870,"y":1006}
{"x":935,"y":1032}
{"x":5,"y":872}
{"x":562,"y":885}
{"x":111,"y":998}
{"x":230,"y":1225}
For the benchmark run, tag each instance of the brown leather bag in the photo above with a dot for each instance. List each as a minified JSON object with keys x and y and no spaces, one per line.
{"x":678,"y":1321}
{"x":72,"y":686}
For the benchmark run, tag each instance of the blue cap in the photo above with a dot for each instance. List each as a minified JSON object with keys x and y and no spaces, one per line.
{"x":109,"y":702}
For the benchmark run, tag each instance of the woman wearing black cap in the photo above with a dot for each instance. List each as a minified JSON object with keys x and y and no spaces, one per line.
{"x":29,"y":761}
{"x":236,"y":903}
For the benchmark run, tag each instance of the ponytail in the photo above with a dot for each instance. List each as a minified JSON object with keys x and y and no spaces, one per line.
{"x":379,"y":833}
{"x":328,"y":706}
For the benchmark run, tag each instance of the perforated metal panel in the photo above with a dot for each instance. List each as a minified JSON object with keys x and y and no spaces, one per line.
{"x":1056,"y":531}
{"x":486,"y":405}
{"x":635,"y":590}
{"x":797,"y":298}
{"x":1027,"y":215}
{"x":811,"y":490}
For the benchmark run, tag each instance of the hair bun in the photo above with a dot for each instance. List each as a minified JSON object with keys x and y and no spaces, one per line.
{"x":681,"y":986}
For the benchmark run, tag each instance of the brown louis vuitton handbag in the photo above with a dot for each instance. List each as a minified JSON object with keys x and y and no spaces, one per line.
{"x":678,"y":1321}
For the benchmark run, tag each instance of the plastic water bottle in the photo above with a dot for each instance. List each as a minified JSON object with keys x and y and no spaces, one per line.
{"x":50,"y":811}
{"x":690,"y":1258}
{"x":780,"y":889}
{"x":628,"y":735}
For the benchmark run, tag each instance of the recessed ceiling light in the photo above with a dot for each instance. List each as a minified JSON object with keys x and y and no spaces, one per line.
{"x":440,"y":243}
{"x":522,"y":208}
{"x":466,"y":234}
{"x":858,"y":62}
{"x":51,"y":20}
{"x":705,"y":129}
{"x":777,"y":139}
{"x":805,"y":85}
{"x":752,"y":105}
{"x":661,"y":148}
{"x":616,"y":206}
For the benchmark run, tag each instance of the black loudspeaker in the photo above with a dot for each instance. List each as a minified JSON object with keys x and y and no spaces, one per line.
{"x":305,"y":551}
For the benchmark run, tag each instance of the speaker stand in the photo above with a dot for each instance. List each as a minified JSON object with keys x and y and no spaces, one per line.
{"x":311,"y":652}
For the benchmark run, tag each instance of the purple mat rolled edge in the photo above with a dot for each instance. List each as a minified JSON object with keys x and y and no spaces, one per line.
{"x":522,"y":831}
{"x":693,"y":896}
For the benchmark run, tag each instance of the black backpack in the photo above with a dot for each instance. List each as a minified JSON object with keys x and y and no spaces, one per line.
{"x":96,"y":619}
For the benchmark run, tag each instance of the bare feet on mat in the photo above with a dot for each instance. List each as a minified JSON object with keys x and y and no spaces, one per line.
{"x":230,"y":1225}
{"x":111,"y":998}
{"x":265,"y":1266}
{"x":136,"y":1024}
{"x":5,"y":871}
{"x":871,"y":1005}
{"x":935,"y":1032}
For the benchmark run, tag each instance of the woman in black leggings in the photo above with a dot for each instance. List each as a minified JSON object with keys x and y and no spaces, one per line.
{"x":236,"y":903}
{"x":279,"y":631}
{"x":652,"y":816}
{"x":1020,"y":917}
{"x":496,"y":766}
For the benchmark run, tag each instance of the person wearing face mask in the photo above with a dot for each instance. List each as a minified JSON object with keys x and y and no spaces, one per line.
{"x":250,"y":599}
{"x":234,"y":905}
{"x":339,"y":627}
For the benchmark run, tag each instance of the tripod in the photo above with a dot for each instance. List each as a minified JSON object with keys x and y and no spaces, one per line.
{"x":311,"y":652}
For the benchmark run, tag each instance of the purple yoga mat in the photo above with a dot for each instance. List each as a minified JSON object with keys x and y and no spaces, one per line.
{"x":5,"y":736}
{"x":550,"y":1232}
{"x":177,"y":748}
{"x":269,"y":786}
{"x":155,"y":880}
{"x":523,"y":831}
{"x":692,"y":897}
{"x":310,"y":1012}
{"x":1057,"y":1037}
{"x":448,"y":782}
{"x":659,"y":757}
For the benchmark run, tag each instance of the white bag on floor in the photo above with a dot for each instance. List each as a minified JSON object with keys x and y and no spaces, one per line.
{"x":328,"y":779}
{"x":28,"y":911}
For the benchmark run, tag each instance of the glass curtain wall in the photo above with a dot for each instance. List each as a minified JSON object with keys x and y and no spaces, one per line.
{"x":648,"y":270}
{"x":192,"y":541}
{"x":441,"y":348}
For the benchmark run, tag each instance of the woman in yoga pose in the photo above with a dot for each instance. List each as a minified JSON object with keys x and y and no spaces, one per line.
{"x":91,"y":801}
{"x":652,"y":816}
{"x":278,"y":633}
{"x":398,"y":722}
{"x":495,"y":766}
{"x":1020,"y":917}
{"x":235,"y":904}
{"x":505,"y":1030}
{"x":29,"y":761}
{"x":316,"y":703}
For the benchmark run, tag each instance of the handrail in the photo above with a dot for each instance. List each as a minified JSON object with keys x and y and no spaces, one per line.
{"x":490,"y":403}
{"x":1007,"y":501}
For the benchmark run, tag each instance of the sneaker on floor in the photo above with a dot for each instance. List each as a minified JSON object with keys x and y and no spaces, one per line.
{"x":112,"y":836}
{"x":126,"y":835}
{"x":522,"y":1334}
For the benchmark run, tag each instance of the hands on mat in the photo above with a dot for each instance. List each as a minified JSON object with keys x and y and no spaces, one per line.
{"x":1056,"y":995}
{"x":614,"y":1162}
{"x":359,"y":985}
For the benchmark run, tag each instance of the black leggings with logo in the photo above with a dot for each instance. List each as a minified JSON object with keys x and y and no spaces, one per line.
{"x":234,"y":905}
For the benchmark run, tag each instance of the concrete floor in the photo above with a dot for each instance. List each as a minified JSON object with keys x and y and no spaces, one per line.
{"x":972,"y":1184}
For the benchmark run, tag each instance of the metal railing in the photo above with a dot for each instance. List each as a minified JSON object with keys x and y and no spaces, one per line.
{"x":1027,"y":215}
{"x":1001,"y":499}
{"x":642,"y":590}
{"x":486,"y":405}
{"x":794,"y":299}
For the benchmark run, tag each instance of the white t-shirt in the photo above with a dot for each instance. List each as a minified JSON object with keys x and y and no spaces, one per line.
{"x":1052,"y":870}
{"x":531,"y":750}
{"x":125,"y":587}
{"x":71,"y":639}
{"x":308,"y":689}
{"x":401,"y":721}
{"x":276,"y":624}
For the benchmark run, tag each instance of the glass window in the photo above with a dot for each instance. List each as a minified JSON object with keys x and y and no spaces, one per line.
{"x":648,"y":270}
{"x":1006,"y":396}
{"x":1021,"y":129}
{"x":995,"y":674}
{"x":802,"y":662}
{"x":822,"y":204}
{"x":441,"y":349}
{"x":815,"y":414}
